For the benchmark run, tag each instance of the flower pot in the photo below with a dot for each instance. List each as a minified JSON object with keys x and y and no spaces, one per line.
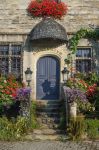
{"x":73,"y":109}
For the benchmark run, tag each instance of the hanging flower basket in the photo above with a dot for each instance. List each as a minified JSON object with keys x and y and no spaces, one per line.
{"x":46,"y":8}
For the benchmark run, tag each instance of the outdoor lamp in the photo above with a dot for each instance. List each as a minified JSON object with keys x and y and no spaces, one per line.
{"x":65,"y":73}
{"x":28,"y":75}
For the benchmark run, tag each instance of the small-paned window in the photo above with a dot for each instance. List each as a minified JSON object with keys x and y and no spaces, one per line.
{"x":84,"y":60}
{"x":11,"y":59}
{"x":58,"y":1}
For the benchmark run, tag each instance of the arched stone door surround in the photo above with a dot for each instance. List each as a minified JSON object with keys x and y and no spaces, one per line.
{"x":59,"y":52}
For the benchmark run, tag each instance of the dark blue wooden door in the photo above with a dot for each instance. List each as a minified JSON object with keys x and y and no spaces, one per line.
{"x":48,"y":76}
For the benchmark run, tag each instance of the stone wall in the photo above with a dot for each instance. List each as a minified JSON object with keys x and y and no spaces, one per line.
{"x":14,"y":17}
{"x":16,"y":24}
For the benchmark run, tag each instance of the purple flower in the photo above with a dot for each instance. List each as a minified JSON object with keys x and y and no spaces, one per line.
{"x":23,"y":94}
{"x":75,"y":94}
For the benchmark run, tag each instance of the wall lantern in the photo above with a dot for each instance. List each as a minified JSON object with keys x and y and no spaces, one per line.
{"x":65,"y":73}
{"x":28,"y":76}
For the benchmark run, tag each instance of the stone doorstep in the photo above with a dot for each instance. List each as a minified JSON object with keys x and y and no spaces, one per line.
{"x":48,"y":132}
{"x":48,"y":120}
{"x":49,"y":109}
{"x":44,"y":123}
{"x":48,"y":114}
{"x":49,"y":126}
{"x":42,"y":137}
{"x":48,"y":102}
{"x":46,"y":137}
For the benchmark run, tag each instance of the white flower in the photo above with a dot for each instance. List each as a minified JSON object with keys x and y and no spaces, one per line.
{"x":5,"y":81}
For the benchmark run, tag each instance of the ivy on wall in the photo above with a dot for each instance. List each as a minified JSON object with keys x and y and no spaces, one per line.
{"x":82,"y":33}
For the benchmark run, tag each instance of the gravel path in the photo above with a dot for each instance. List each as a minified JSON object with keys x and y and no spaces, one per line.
{"x":49,"y":145}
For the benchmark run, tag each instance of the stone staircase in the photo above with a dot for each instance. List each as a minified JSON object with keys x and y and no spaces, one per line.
{"x":48,"y":117}
{"x":48,"y":114}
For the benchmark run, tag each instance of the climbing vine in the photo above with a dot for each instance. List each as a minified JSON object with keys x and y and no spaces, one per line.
{"x":73,"y":43}
{"x":82,"y":33}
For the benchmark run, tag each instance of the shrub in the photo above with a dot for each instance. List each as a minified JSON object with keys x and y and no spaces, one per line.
{"x":96,"y":100}
{"x":8,"y":88}
{"x":82,"y":93}
{"x":42,"y":8}
{"x":34,"y":124}
{"x":11,"y":129}
{"x":76,"y":128}
{"x":92,"y":128}
{"x":15,"y":129}
{"x":78,"y":96}
{"x":75,"y":94}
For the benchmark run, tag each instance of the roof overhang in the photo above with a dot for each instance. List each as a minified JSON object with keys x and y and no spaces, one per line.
{"x":48,"y":28}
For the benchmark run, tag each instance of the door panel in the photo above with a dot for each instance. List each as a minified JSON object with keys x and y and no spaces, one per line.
{"x":48,"y":76}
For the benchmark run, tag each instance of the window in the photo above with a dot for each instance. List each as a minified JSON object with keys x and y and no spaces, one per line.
{"x":11,"y":59}
{"x":58,"y":1}
{"x":84,"y":60}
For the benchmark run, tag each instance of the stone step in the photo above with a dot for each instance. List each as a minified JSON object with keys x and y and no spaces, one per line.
{"x":43,"y":137}
{"x":48,"y":114}
{"x":48,"y":103}
{"x":49,"y":109}
{"x":49,"y":126}
{"x":48,"y":132}
{"x":49,"y":120}
{"x":46,"y":137}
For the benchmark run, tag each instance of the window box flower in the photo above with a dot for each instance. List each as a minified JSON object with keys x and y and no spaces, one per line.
{"x":46,"y":8}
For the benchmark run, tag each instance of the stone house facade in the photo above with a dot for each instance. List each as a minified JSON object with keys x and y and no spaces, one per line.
{"x":18,"y":51}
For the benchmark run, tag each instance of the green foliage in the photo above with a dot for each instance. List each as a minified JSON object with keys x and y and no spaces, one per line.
{"x":76,"y":83}
{"x":11,"y":130}
{"x":34,"y":123}
{"x":92,"y":128}
{"x":67,"y":61}
{"x":96,"y":101}
{"x":82,"y":33}
{"x":84,"y":107}
{"x":76,"y":128}
{"x":91,"y":78}
{"x":15,"y":129}
{"x":62,"y":124}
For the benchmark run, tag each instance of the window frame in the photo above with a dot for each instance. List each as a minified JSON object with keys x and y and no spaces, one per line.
{"x":10,"y":55}
{"x":85,"y":58}
{"x":58,"y":1}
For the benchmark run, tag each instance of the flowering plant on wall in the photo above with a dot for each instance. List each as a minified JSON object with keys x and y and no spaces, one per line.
{"x":8,"y":88}
{"x":43,"y":8}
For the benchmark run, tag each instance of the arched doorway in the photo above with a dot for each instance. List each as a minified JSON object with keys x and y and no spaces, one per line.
{"x":48,"y":78}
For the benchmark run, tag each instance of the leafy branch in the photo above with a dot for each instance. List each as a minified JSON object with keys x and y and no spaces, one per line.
{"x":82,"y":33}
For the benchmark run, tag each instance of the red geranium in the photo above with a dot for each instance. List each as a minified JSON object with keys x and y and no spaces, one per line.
{"x":47,"y":8}
{"x":91,"y":90}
